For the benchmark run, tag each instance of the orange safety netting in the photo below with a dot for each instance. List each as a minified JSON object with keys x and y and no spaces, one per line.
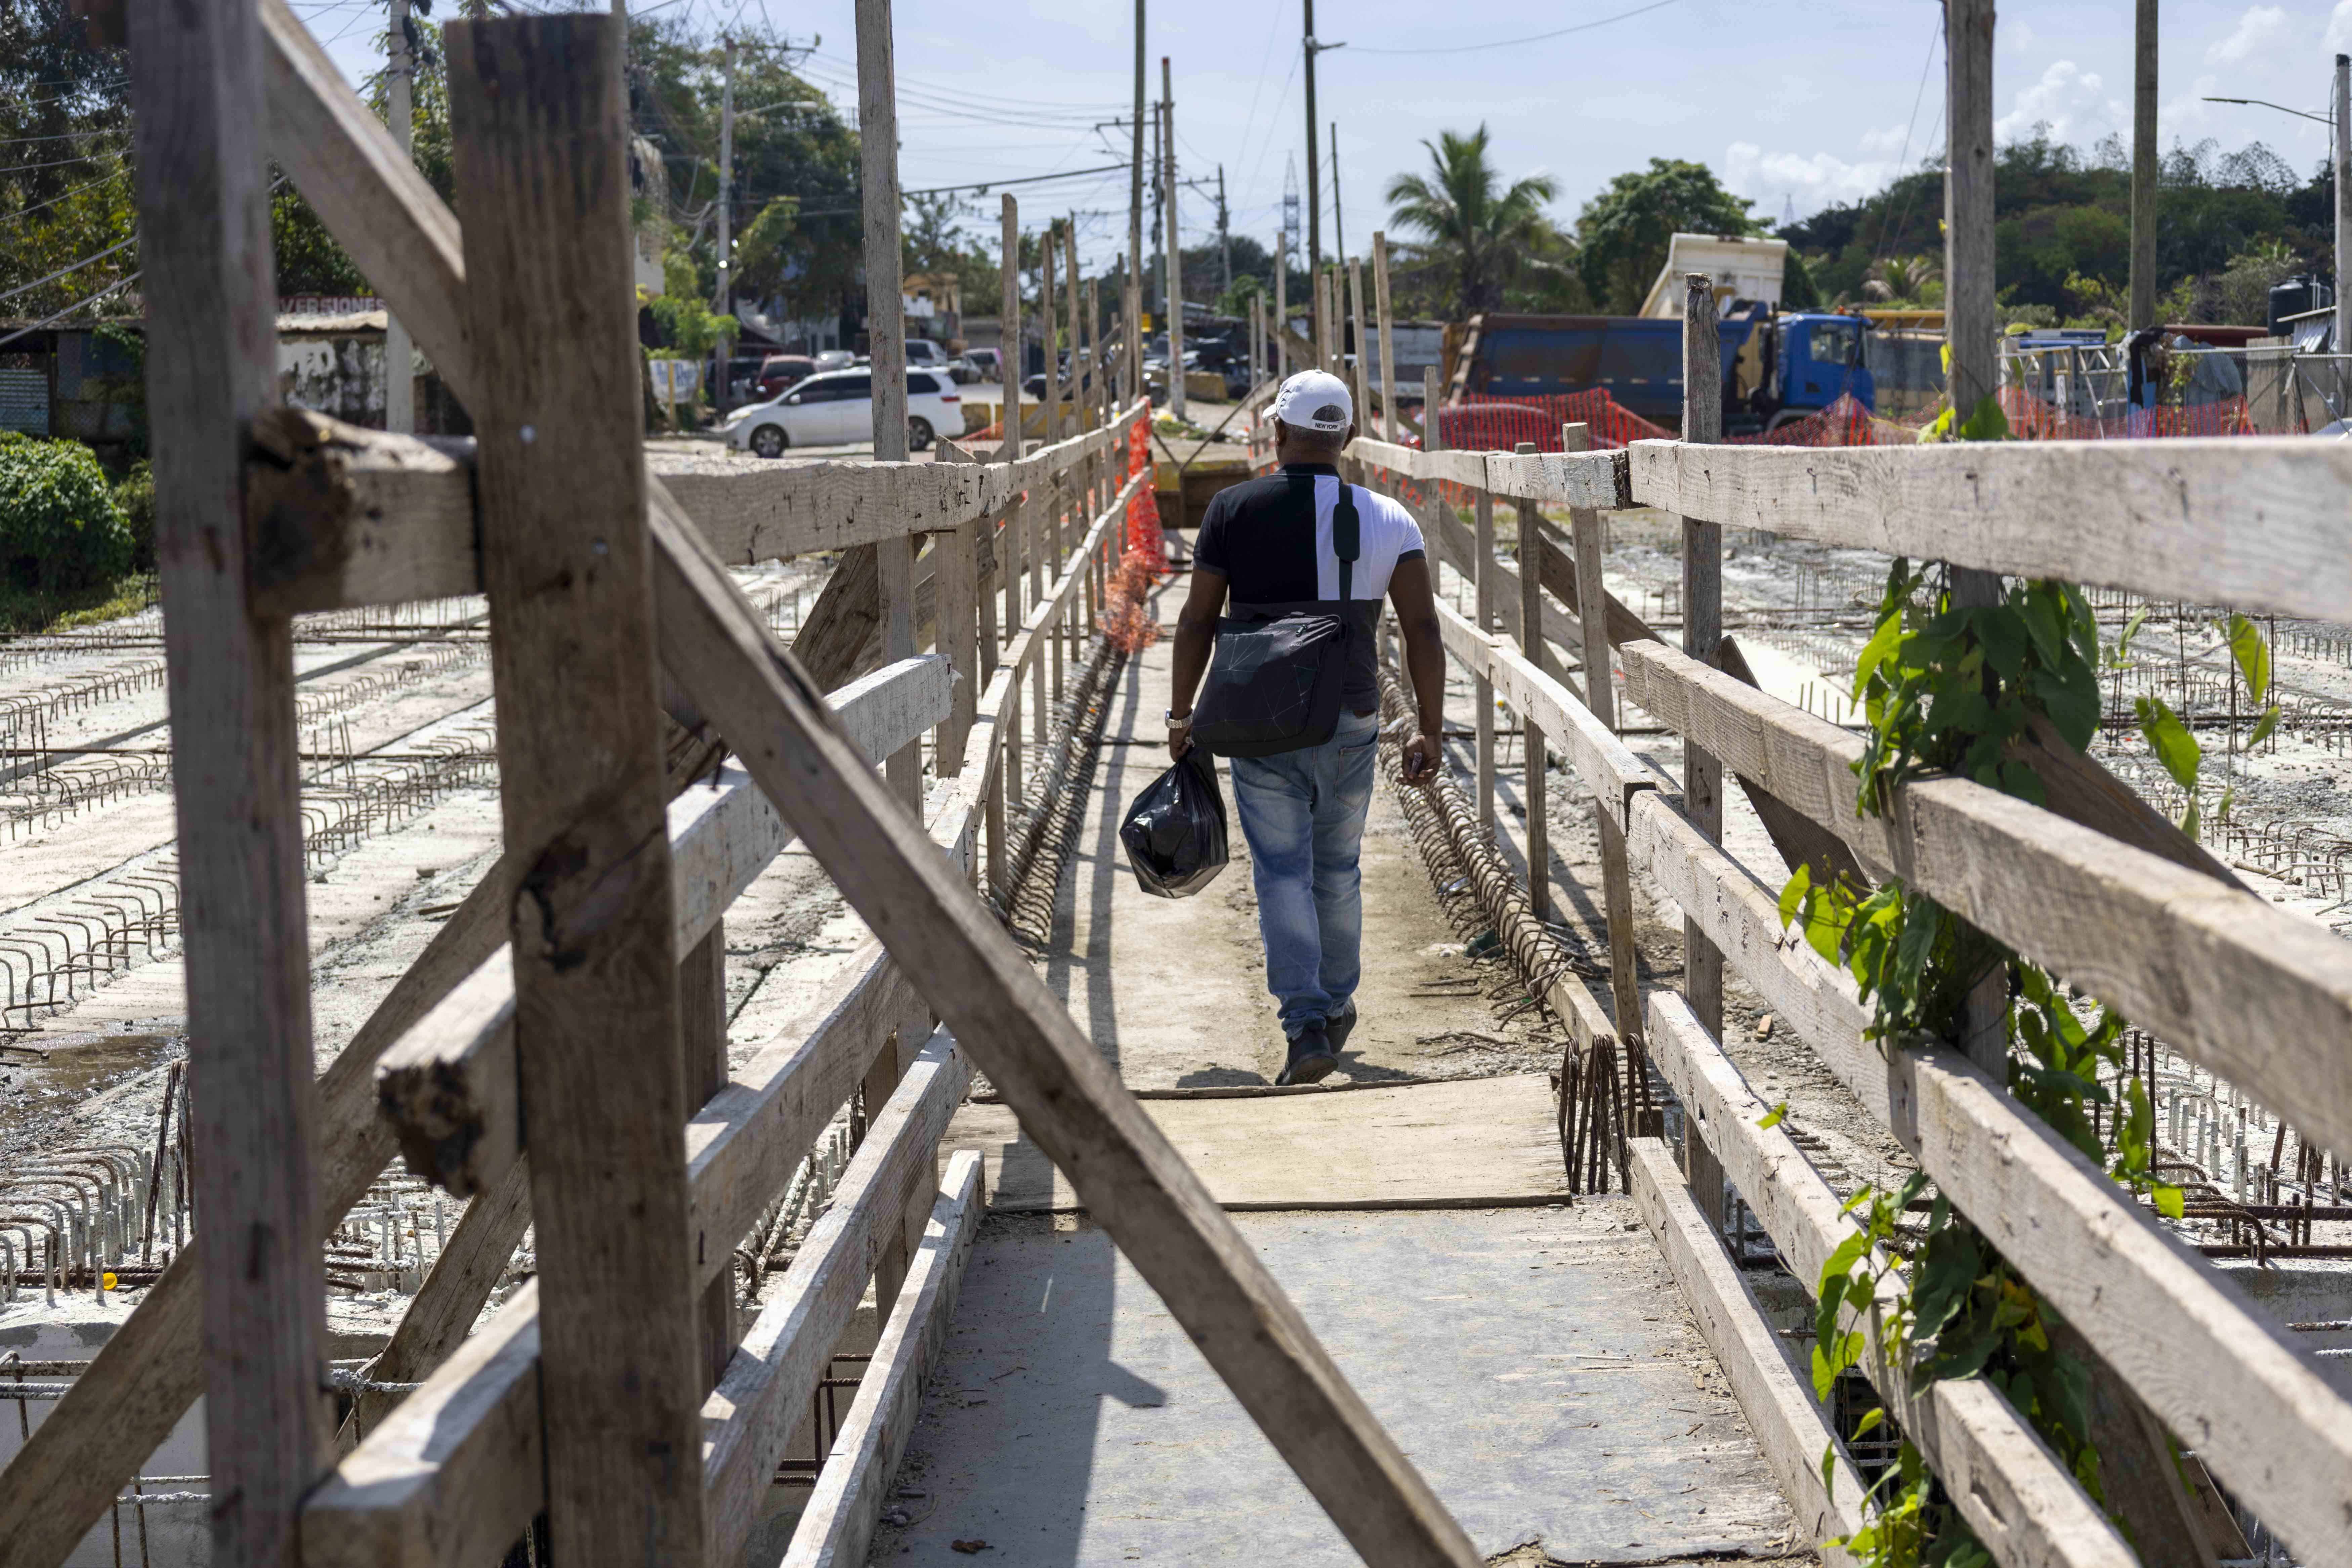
{"x":2032,"y":419}
{"x":1126,"y":619}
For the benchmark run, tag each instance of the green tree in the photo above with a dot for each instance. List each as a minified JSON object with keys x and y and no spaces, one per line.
{"x":1623,"y":233}
{"x":1473,"y":227}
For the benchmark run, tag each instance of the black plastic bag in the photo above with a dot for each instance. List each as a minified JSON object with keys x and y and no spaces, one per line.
{"x":1175,"y":830}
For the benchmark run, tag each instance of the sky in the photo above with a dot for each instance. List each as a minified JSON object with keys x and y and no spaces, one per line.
{"x":1795,"y":105}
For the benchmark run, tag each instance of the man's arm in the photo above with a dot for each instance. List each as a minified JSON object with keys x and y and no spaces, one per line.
{"x":1425,"y":661}
{"x":1196,"y":639}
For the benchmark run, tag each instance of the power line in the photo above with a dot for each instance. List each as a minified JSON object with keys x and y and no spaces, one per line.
{"x":53,"y":201}
{"x":78,"y":305}
{"x":60,"y":163}
{"x":75,"y":267}
{"x":1514,"y":42}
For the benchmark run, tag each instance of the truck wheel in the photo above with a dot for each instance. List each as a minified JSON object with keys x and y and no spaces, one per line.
{"x":770,"y":440}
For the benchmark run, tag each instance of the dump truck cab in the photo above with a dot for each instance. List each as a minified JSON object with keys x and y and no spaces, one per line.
{"x":1780,"y":367}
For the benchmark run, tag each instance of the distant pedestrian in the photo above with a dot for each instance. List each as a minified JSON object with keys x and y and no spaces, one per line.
{"x":1283,"y":545}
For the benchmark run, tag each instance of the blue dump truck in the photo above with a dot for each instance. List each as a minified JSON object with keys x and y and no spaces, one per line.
{"x":1776,"y":366}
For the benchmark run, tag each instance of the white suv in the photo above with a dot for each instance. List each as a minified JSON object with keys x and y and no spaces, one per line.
{"x":835,"y":408}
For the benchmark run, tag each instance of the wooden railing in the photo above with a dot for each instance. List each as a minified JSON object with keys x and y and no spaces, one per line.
{"x":614,"y":1392}
{"x":2261,"y":996}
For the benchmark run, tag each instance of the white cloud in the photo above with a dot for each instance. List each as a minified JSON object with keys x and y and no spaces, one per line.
{"x":2018,"y":37}
{"x":2260,"y":30}
{"x":1101,"y":24}
{"x":2072,"y":101}
{"x":1814,"y":180}
{"x":1637,"y":108}
{"x":2339,"y":37}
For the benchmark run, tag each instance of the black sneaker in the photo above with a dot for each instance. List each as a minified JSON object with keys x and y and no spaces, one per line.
{"x":1336,"y":1030}
{"x":1311,"y":1060}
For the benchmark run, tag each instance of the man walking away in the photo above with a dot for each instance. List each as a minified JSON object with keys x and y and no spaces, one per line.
{"x":1270,"y":542}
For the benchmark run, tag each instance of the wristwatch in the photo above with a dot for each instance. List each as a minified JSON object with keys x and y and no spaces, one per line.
{"x":1175,"y":722}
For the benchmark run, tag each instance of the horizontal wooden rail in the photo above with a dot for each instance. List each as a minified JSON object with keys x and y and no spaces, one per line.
{"x":2258,"y":995}
{"x":2022,"y":1502}
{"x":2250,"y":522}
{"x":1612,"y":773}
{"x":1552,"y":478}
{"x":458,"y":1465}
{"x":449,"y":1088}
{"x":837,"y":1526}
{"x":2213,"y":1365}
{"x":346,"y":516}
{"x":1787,"y":1424}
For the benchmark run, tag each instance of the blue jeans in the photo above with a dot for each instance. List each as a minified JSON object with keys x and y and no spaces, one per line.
{"x":1303,"y":814}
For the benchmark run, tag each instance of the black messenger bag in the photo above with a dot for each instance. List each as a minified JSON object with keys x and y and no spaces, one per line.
{"x":1275,"y":681}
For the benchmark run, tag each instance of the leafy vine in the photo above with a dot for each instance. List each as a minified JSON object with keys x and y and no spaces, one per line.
{"x":1948,"y":687}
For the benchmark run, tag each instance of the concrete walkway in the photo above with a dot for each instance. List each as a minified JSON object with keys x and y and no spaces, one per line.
{"x":1533,"y":1358}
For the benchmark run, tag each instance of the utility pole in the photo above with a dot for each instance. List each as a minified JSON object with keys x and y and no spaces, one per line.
{"x":2143,"y":172}
{"x":1338,"y":222}
{"x":399,"y":356}
{"x":877,"y":169}
{"x":2343,"y":153}
{"x":1175,"y":262}
{"x":1014,"y":363}
{"x":1133,"y":306}
{"x":1314,"y":173}
{"x":1158,"y":201}
{"x":726,"y":300}
{"x":1224,"y":240}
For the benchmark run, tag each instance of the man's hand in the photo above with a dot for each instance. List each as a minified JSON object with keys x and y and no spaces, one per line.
{"x":1180,"y":739}
{"x":1423,"y":758}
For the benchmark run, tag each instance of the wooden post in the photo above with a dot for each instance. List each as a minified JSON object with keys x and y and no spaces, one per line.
{"x":1601,"y":695}
{"x":1702,"y":625}
{"x":702,"y":1038}
{"x":1175,"y":245}
{"x":956,"y":590}
{"x":1432,"y":436}
{"x":886,"y":319}
{"x":1532,"y":733}
{"x":1070,"y":296}
{"x":1009,"y":356}
{"x":1360,"y":381}
{"x":1972,"y":332}
{"x":2143,"y":167}
{"x":1388,"y":336}
{"x":1281,"y":313}
{"x":542,"y":180}
{"x":1482,"y":685}
{"x":1046,"y":324}
{"x":203,"y":222}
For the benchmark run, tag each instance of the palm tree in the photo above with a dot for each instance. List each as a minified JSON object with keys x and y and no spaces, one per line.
{"x":1469,"y":227}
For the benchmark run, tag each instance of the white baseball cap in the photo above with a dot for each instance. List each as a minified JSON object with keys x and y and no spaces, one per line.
{"x":1315,"y":400}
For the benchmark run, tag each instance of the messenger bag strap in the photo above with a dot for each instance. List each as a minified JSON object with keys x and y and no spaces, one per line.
{"x":1347,"y":539}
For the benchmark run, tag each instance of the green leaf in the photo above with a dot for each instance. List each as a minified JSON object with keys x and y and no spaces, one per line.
{"x":1870,"y":1422}
{"x":1824,"y":1374}
{"x":1987,"y":423}
{"x":2170,"y":738}
{"x":1829,"y":1468}
{"x":2252,"y":653}
{"x":2190,"y":820}
{"x":1772,"y":1118}
{"x":2169,"y":1200}
{"x":2263,"y":731}
{"x":2131,"y":630}
{"x":1792,"y":896}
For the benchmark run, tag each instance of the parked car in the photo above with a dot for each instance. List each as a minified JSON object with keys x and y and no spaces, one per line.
{"x":924,"y":354}
{"x":989,"y":362}
{"x":779,"y":374}
{"x":835,"y":359}
{"x":963,"y":370}
{"x":834,"y":408}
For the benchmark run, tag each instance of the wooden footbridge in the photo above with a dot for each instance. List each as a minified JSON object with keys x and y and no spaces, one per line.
{"x":1208,"y":1321}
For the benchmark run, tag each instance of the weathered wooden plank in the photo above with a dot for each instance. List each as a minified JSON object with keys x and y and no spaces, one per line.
{"x":1612,"y":773}
{"x":2022,"y":1502}
{"x":1786,"y":1423}
{"x":1457,"y":546}
{"x":449,"y":1087}
{"x":538,"y":133}
{"x":203,"y":227}
{"x":2258,"y":1408}
{"x":2255,"y":522}
{"x":2254,"y":992}
{"x":445,"y":1471}
{"x":838,"y":1524}
{"x":1702,"y":606}
{"x":1598,"y":480}
{"x":1064,"y":1090}
{"x":453,"y":1474}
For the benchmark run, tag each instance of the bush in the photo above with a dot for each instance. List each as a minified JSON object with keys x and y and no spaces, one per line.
{"x":134,"y":497}
{"x":60,"y":526}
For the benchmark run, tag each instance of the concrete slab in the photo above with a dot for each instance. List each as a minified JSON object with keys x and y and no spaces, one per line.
{"x":1536,"y":1365}
{"x":1473,"y":1143}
